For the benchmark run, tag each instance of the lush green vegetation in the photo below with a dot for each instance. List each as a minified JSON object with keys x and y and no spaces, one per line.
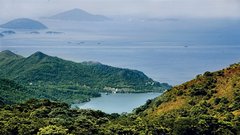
{"x":208,"y":104}
{"x":12,"y":92}
{"x":57,"y":79}
{"x":43,"y":117}
{"x":41,"y":69}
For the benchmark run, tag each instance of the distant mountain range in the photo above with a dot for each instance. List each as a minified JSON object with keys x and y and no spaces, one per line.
{"x":78,"y":15}
{"x":23,"y":23}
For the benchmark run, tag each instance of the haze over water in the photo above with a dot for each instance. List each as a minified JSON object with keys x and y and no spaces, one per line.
{"x":172,"y":51}
{"x":170,"y":41}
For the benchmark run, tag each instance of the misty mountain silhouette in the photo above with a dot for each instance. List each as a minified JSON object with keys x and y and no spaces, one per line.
{"x":23,"y":23}
{"x":78,"y":15}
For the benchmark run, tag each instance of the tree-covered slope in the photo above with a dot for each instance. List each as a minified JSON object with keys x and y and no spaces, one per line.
{"x":208,"y":104}
{"x":41,"y":69}
{"x":43,"y":117}
{"x":60,"y":80}
{"x":220,"y":90}
{"x":12,"y":92}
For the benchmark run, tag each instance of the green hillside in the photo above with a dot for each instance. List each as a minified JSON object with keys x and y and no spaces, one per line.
{"x":220,"y":90}
{"x":206,"y":105}
{"x":41,"y":69}
{"x":60,"y":80}
{"x":43,"y":117}
{"x":12,"y":92}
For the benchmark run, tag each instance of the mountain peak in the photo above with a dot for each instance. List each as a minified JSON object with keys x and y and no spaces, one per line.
{"x":77,"y":14}
{"x":39,"y":55}
{"x":76,"y":10}
{"x":23,"y":23}
{"x":8,"y":53}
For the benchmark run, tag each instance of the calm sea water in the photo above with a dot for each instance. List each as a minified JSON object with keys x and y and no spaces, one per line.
{"x":163,"y":62}
{"x":167,"y":51}
{"x":118,"y":102}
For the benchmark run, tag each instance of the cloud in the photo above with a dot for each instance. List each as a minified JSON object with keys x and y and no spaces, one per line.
{"x":151,"y":8}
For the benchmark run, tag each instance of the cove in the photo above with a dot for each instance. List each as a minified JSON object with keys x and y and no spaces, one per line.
{"x":117,"y":102}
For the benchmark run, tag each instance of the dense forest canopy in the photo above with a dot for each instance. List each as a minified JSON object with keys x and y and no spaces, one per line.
{"x":208,"y":104}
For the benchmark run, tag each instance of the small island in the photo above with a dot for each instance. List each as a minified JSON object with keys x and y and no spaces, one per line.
{"x":53,"y":32}
{"x":8,"y":32}
{"x":78,"y":15}
{"x":34,"y":32}
{"x":23,"y":23}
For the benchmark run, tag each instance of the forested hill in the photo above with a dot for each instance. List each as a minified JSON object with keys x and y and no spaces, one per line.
{"x":208,"y":104}
{"x":41,"y":69}
{"x":219,"y":90}
{"x":11,"y":91}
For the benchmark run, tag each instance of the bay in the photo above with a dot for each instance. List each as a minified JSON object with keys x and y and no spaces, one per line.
{"x":117,"y":102}
{"x":172,"y":52}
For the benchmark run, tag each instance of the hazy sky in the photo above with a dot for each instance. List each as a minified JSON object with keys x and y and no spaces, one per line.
{"x":151,"y":8}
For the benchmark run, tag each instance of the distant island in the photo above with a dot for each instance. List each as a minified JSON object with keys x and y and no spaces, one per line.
{"x":23,"y":23}
{"x":78,"y":15}
{"x":53,"y":32}
{"x":34,"y":32}
{"x":8,"y":32}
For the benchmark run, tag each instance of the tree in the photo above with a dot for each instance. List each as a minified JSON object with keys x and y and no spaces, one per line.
{"x":184,"y":126}
{"x":53,"y":130}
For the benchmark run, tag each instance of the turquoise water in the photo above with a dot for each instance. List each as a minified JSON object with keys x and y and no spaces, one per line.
{"x":118,"y":102}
